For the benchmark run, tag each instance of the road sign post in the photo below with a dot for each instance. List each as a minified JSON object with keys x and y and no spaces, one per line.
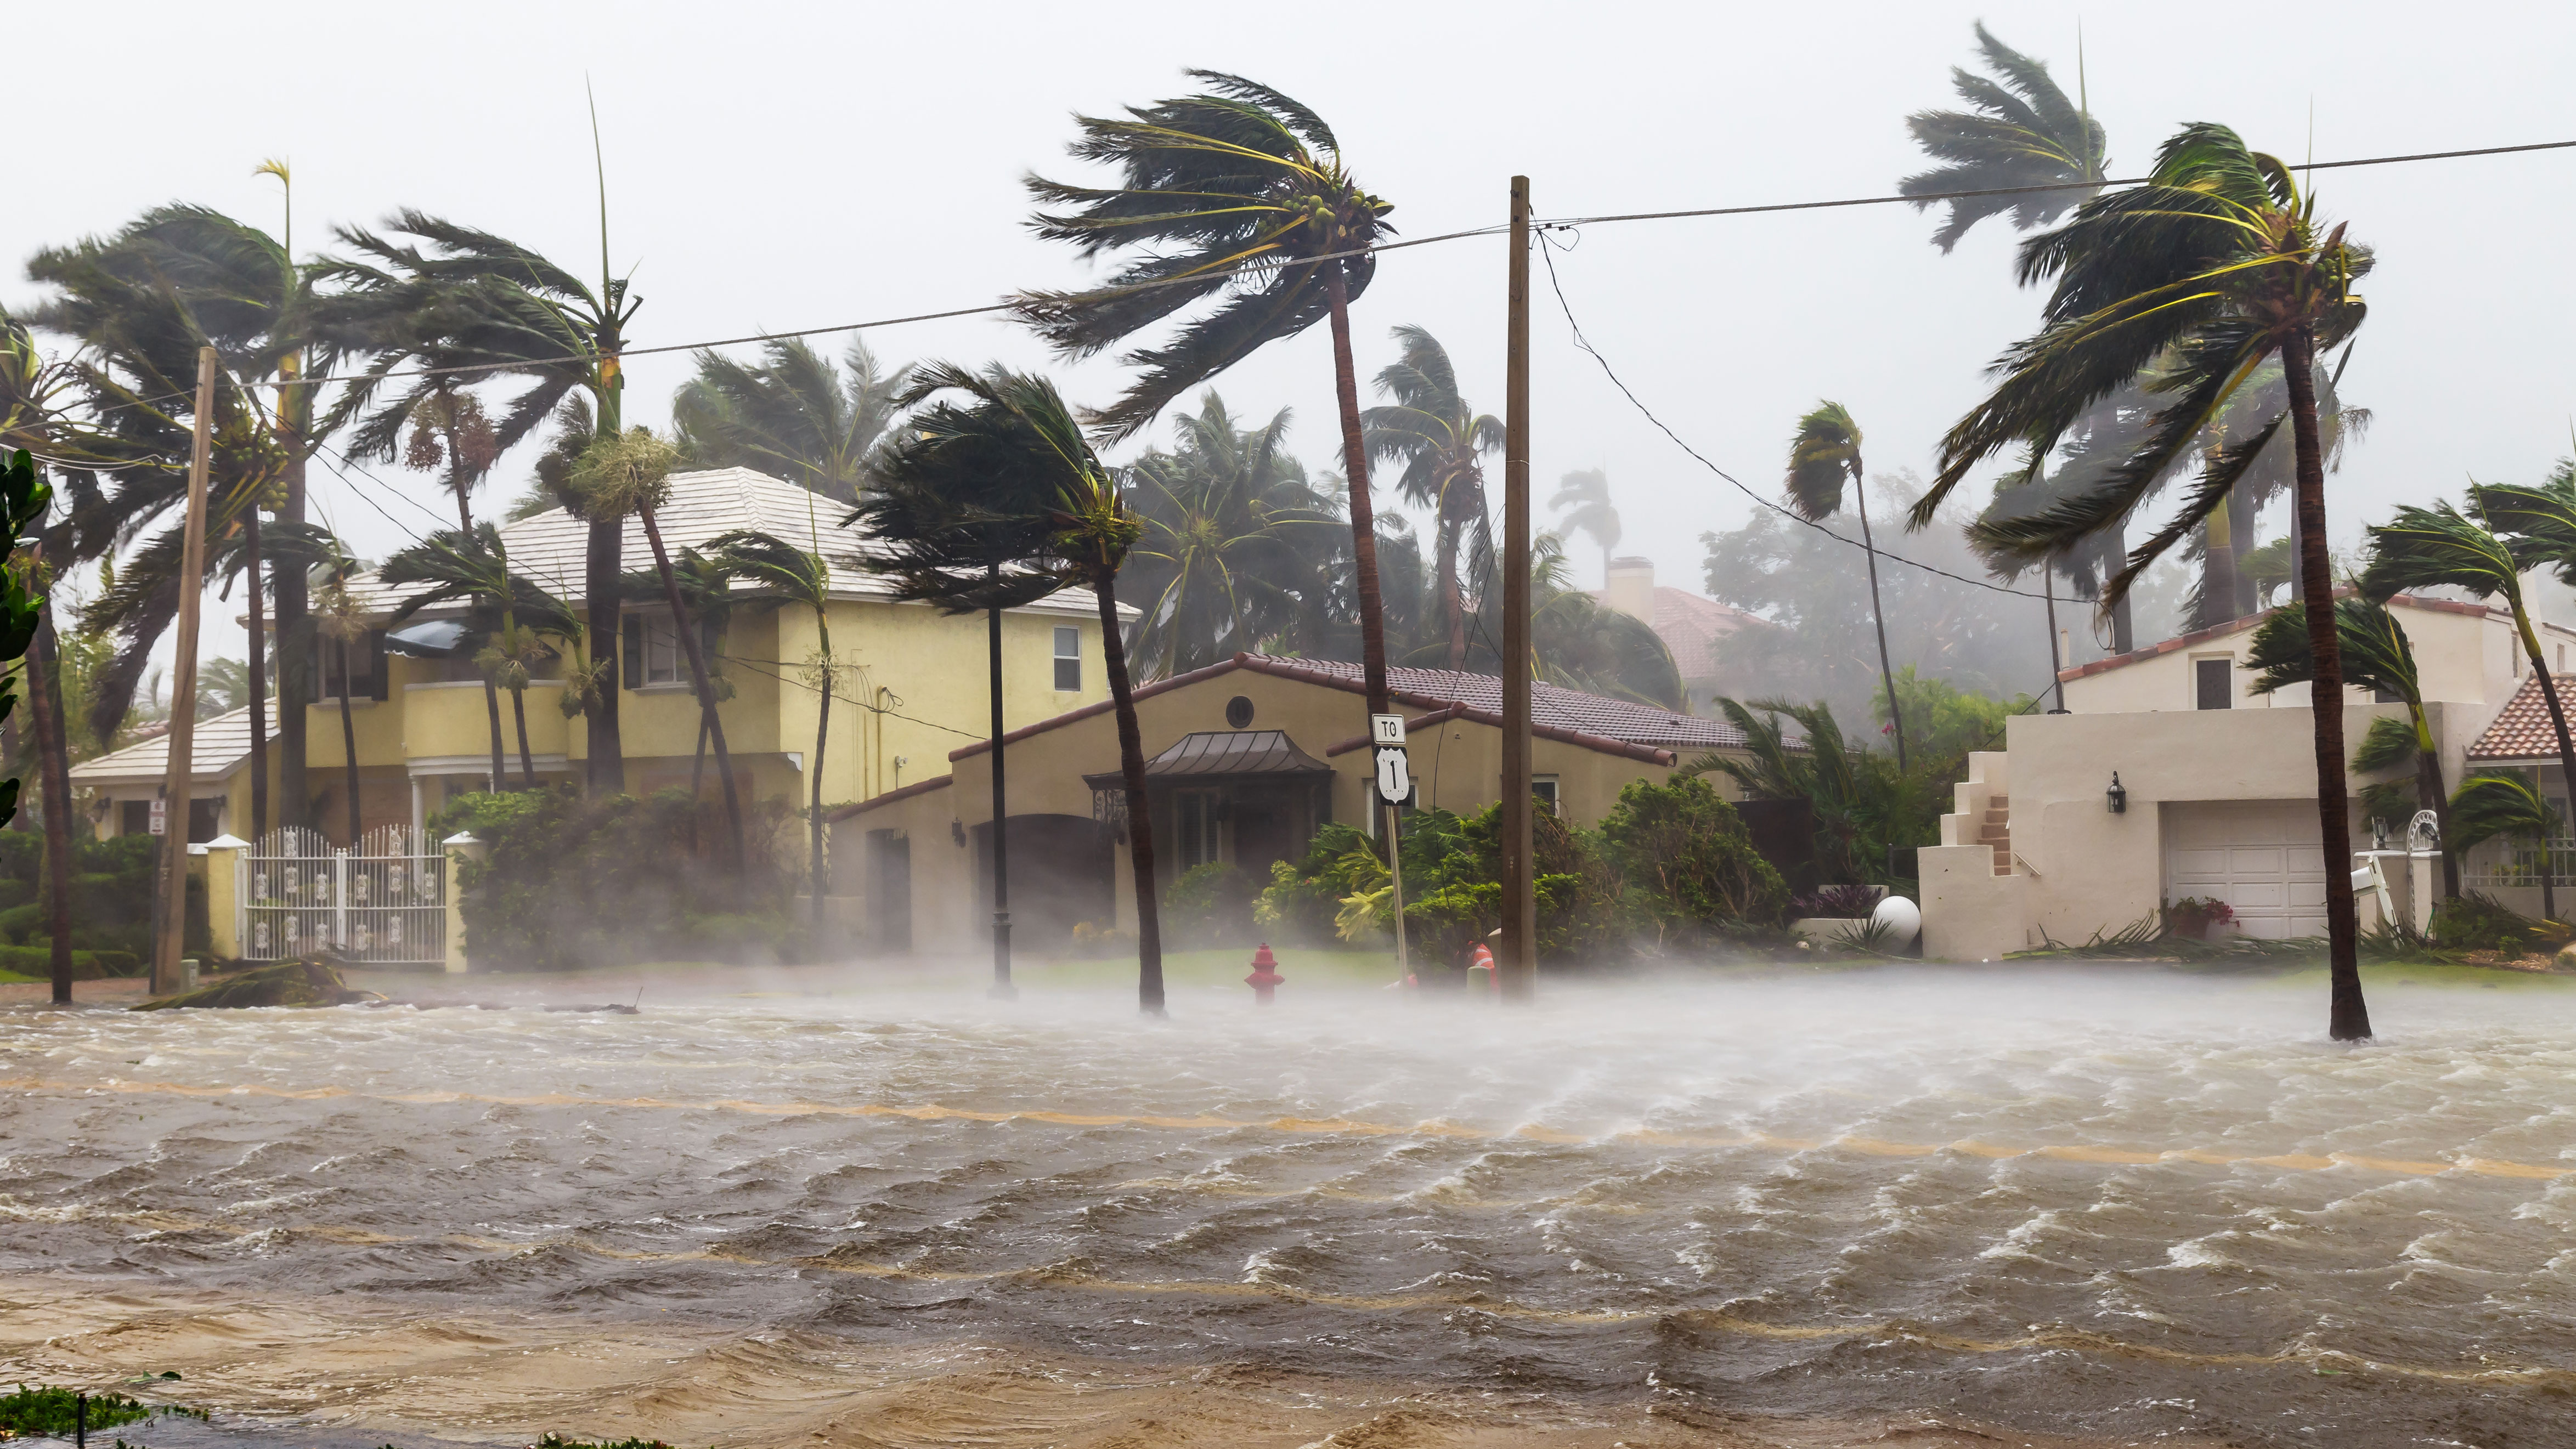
{"x":1394,"y":787}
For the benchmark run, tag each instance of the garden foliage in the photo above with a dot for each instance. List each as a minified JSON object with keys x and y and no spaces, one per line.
{"x":112,"y":884}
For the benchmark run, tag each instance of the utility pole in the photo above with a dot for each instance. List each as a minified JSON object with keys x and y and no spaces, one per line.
{"x":1001,"y":989}
{"x":170,"y":913}
{"x":1519,"y":963}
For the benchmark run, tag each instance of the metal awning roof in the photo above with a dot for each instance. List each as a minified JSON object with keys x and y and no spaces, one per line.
{"x":1223,"y":754}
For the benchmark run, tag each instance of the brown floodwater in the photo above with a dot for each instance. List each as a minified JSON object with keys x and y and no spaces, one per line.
{"x":2087,"y":1204}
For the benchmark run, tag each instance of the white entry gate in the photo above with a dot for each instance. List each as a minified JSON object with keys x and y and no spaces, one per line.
{"x":384,"y":901}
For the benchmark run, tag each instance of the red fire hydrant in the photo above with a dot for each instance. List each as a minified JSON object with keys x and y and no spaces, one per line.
{"x":1265,"y":977}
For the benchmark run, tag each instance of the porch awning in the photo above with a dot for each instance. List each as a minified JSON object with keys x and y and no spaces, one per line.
{"x":1224,"y":755}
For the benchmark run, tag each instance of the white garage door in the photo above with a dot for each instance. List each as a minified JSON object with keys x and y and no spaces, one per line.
{"x":2261,"y":857}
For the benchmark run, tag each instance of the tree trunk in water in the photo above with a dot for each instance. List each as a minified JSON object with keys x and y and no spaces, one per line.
{"x":1001,"y":810}
{"x":527,"y":761}
{"x":492,"y":713}
{"x":1878,"y":616}
{"x":348,"y":741}
{"x":1140,"y":820}
{"x":1346,"y":391}
{"x":2348,"y":1017}
{"x":53,"y":764}
{"x":602,"y":571}
{"x":295,"y":659}
{"x":688,"y":631}
{"x":822,"y":737}
{"x":258,"y":677}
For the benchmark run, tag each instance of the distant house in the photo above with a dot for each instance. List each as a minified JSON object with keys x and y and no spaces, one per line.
{"x":2219,"y":786}
{"x":1691,"y":626}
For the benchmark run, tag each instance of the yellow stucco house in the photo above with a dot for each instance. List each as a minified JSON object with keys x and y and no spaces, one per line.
{"x":912,"y":687}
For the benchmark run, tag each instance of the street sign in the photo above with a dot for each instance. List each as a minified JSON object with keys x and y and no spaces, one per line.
{"x":1386,"y":729}
{"x":160,"y":817}
{"x":1394,"y":775}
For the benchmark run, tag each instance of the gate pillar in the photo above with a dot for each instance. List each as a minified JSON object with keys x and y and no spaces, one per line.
{"x":224,"y":899}
{"x":461,"y":847}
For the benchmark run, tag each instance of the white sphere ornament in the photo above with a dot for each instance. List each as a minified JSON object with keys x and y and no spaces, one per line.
{"x":1902,"y":918}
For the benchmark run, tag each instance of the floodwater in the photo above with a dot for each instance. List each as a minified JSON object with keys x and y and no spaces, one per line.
{"x":2104,"y":1203}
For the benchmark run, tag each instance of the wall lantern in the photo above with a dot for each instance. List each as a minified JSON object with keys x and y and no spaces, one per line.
{"x":2119,"y":795}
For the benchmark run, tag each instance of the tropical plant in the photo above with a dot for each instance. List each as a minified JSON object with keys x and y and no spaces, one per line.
{"x":996,"y":502}
{"x":630,"y":473}
{"x":342,"y":619}
{"x":1236,"y":542}
{"x":24,"y":497}
{"x":1237,"y":193}
{"x":1823,"y":773}
{"x":451,"y":433}
{"x":1583,"y":504}
{"x":793,"y":415}
{"x":1440,"y":442}
{"x":1581,"y":643}
{"x":2504,"y":802}
{"x":2019,"y":130}
{"x":799,"y":576}
{"x":472,"y":568}
{"x":1689,"y":860}
{"x":1824,"y":458}
{"x":435,"y":298}
{"x":2378,"y":657}
{"x":2215,"y":263}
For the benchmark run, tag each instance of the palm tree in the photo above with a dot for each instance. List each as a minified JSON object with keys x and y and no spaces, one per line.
{"x":793,"y":415}
{"x":1238,"y":193}
{"x":1231,"y":529}
{"x":2215,"y":263}
{"x":631,"y":473}
{"x":1818,"y":768}
{"x":472,"y":568}
{"x":1583,"y":498}
{"x":1824,"y":457}
{"x":2019,"y":130}
{"x":450,"y":432}
{"x":803,"y":577}
{"x":996,"y":503}
{"x":2499,"y":802}
{"x":454,"y":301}
{"x":2424,"y":548}
{"x":2377,"y":657}
{"x":343,"y":620}
{"x":1441,"y":442}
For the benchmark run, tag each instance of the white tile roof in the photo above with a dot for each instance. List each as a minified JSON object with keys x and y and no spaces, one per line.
{"x":549,"y":546}
{"x":220,"y":745}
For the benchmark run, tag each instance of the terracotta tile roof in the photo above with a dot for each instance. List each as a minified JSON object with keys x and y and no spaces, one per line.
{"x":907,"y":792}
{"x":2241,"y":625}
{"x":2522,"y":730}
{"x":1692,"y":626}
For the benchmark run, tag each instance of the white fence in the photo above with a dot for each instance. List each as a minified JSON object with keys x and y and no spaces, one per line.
{"x":2502,"y":862}
{"x":383,"y":901}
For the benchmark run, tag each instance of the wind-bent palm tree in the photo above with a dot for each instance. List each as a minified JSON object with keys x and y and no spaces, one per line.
{"x":1824,"y":459}
{"x":34,"y":397}
{"x":2423,"y":548}
{"x":2378,"y":657}
{"x":793,"y":415}
{"x":994,"y":503}
{"x":1227,"y":556}
{"x":432,"y":294}
{"x":1237,"y":193}
{"x":631,"y":474}
{"x":451,"y":433}
{"x":802,"y":577}
{"x":2498,"y":802}
{"x":1822,"y":773}
{"x":472,"y":567}
{"x":1583,"y":504}
{"x":343,"y":620}
{"x":2215,"y":263}
{"x":1441,"y":442}
{"x":2019,"y":130}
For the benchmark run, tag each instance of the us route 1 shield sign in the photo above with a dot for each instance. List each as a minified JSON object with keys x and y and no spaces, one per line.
{"x":1394,"y":776}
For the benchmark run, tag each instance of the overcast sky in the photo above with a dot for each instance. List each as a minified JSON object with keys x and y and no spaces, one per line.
{"x":775,"y":166}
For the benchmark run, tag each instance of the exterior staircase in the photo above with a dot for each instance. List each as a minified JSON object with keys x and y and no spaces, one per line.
{"x":1995,"y":830}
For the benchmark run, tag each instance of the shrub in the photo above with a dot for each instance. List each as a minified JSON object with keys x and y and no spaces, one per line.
{"x":2475,"y":921}
{"x":1691,"y":869}
{"x":1305,"y":900}
{"x":1210,"y":904}
{"x":1840,"y":902}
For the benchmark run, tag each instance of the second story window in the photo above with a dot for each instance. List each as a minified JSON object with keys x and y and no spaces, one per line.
{"x":653,"y":654}
{"x":1068,"y":659}
{"x":2213,"y":683}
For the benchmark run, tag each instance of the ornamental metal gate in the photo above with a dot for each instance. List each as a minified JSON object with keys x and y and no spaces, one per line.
{"x":383,"y":902}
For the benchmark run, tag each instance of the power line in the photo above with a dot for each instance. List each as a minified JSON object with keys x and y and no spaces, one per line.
{"x":1547,"y":253}
{"x":754,"y":666}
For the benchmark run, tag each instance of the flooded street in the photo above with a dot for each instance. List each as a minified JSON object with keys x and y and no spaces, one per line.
{"x":2098,"y":1203}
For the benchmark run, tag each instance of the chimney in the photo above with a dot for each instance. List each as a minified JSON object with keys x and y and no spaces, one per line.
{"x":1632,"y":588}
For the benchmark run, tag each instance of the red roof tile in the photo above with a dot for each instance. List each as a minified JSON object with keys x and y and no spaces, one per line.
{"x":2522,"y":729}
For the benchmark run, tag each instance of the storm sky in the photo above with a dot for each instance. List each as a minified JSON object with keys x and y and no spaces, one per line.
{"x":776,"y":166}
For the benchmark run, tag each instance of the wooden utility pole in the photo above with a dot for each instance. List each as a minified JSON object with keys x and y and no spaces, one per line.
{"x":1519,"y":961}
{"x":170,"y":903}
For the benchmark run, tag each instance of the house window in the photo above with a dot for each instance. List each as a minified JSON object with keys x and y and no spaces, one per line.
{"x":365,"y":660}
{"x":2213,"y":683}
{"x":653,"y":653}
{"x":1197,"y":818}
{"x":1544,"y":787}
{"x":1068,"y":659}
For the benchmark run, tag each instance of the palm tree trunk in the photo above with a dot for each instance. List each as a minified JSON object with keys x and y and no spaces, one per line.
{"x":1002,"y":986}
{"x":822,"y":737}
{"x":53,"y":764}
{"x":602,"y":573}
{"x":348,"y":739}
{"x":527,"y":761}
{"x":2056,"y":661}
{"x":2348,"y":1017}
{"x":295,"y":648}
{"x":1346,"y":391}
{"x":1878,"y":616}
{"x":1453,"y":598}
{"x":2124,"y":633}
{"x":698,"y":674}
{"x":2429,"y":790}
{"x":2557,"y":721}
{"x":2240,"y":546}
{"x":258,"y":677}
{"x":492,"y":713}
{"x":1140,"y":820}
